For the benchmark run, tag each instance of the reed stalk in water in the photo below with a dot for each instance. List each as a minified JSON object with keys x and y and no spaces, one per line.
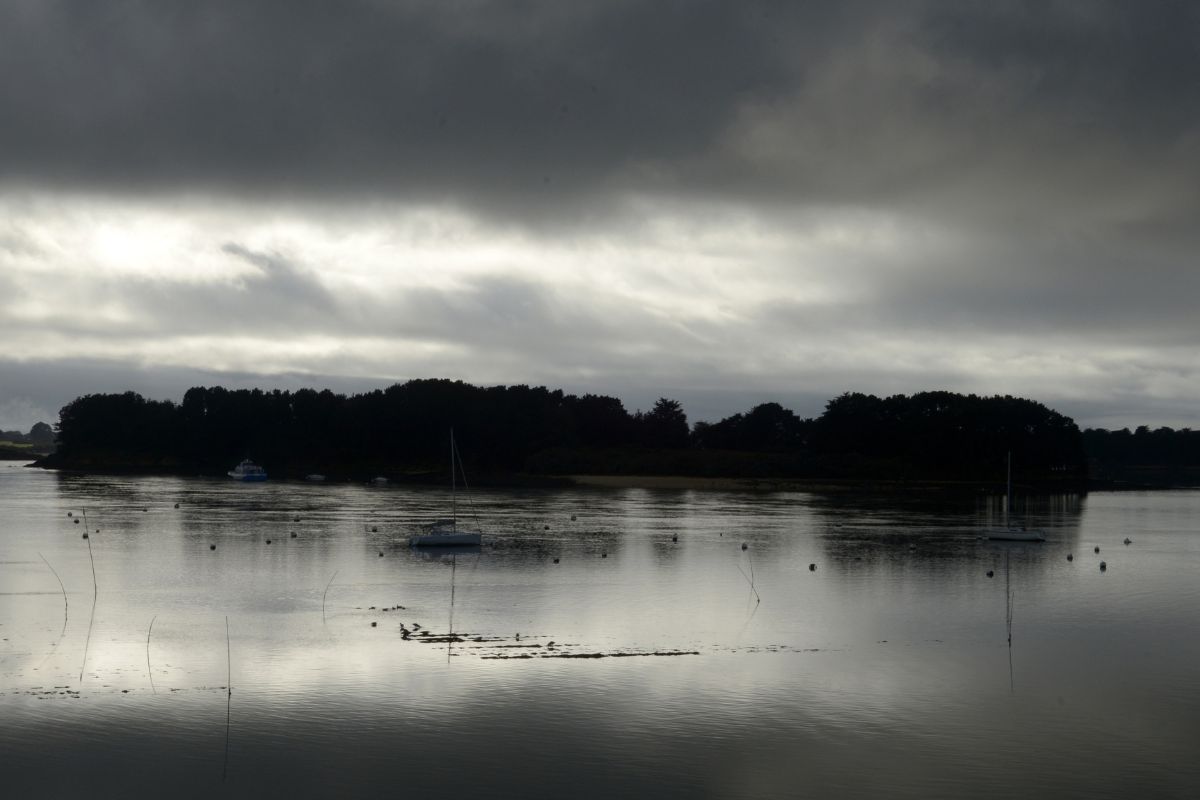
{"x":228,"y":696}
{"x":331,"y":577}
{"x":66,"y":605}
{"x":750,"y":580}
{"x":87,"y":535}
{"x":149,"y":672}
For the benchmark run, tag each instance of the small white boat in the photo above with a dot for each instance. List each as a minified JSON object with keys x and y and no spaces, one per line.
{"x":247,"y":471}
{"x":445,"y":532}
{"x":1013,"y":533}
{"x":315,"y":477}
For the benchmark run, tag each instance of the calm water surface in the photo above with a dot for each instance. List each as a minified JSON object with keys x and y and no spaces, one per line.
{"x":360,"y":667}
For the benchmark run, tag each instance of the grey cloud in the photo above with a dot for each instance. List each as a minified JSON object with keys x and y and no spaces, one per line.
{"x":537,"y":107}
{"x":1058,"y":142}
{"x":281,"y":280}
{"x":440,"y":99}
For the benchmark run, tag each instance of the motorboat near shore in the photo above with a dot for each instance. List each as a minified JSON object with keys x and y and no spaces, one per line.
{"x":247,"y":471}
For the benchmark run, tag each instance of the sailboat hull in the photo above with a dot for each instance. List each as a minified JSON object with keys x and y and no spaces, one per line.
{"x":457,"y":539}
{"x":1016,"y":535}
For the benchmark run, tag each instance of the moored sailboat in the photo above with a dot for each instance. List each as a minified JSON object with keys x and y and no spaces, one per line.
{"x":1010,"y":532}
{"x":445,"y":532}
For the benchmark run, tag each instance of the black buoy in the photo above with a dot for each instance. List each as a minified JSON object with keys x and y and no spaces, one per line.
{"x":1127,"y":540}
{"x":268,"y":541}
{"x":297,"y":519}
{"x":76,"y":522}
{"x":144,"y":510}
{"x":85,"y":534}
{"x":1103,"y":566}
{"x":604,"y":555}
{"x":1070,"y":557}
{"x":1096,"y":549}
{"x":674,"y":538}
{"x":374,"y":529}
{"x":381,"y":554}
{"x":745,"y":546}
{"x":990,"y":573}
{"x":293,"y":534}
{"x":556,"y":561}
{"x":812,"y":567}
{"x":572,"y":518}
{"x":373,"y":624}
{"x":545,"y":527}
{"x":70,"y":514}
{"x":177,"y":505}
{"x":212,"y":547}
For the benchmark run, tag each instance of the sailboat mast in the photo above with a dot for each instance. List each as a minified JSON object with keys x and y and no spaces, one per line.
{"x":453,"y":487}
{"x":1008,"y":491}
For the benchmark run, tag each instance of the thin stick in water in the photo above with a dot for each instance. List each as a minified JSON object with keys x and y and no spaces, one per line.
{"x":149,"y":672}
{"x":87,"y":642}
{"x":228,"y":697}
{"x":87,"y":535}
{"x":331,"y":577}
{"x":750,"y":581}
{"x":66,"y":605}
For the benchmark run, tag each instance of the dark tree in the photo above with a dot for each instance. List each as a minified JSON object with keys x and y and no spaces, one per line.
{"x":664,"y":426}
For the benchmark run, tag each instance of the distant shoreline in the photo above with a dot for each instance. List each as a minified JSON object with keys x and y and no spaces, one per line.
{"x":663,"y":482}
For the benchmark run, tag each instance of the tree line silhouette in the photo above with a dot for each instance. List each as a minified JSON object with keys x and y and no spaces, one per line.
{"x":403,"y":430}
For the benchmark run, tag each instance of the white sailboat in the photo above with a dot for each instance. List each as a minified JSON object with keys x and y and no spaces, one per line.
{"x":445,"y":532}
{"x":1010,"y":532}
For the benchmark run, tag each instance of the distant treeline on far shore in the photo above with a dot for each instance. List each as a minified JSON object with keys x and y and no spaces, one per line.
{"x":403,"y":432}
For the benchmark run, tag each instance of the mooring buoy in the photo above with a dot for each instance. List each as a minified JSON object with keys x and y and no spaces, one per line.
{"x":990,"y":573}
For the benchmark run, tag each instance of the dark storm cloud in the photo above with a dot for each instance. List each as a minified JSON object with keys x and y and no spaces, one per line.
{"x":431,"y":98}
{"x":481,"y":102}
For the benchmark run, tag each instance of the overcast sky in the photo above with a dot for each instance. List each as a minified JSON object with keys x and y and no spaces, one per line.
{"x":723,"y":203}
